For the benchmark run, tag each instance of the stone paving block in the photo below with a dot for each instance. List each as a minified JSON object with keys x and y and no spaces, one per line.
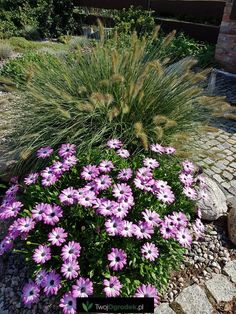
{"x":193,"y":300}
{"x":230,"y":158}
{"x":216,"y":170}
{"x":233,"y":183}
{"x":163,"y":308}
{"x":232,"y":141}
{"x":230,"y":270}
{"x":233,"y":165}
{"x":221,"y":288}
{"x":226,"y":185}
{"x":218,"y":178}
{"x":228,"y":152}
{"x":228,"y":175}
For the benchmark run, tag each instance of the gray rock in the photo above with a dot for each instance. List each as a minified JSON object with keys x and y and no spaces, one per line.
{"x":164,"y":308}
{"x":230,"y":270}
{"x":232,"y":224}
{"x":221,"y":288}
{"x":194,"y":300}
{"x":215,"y":205}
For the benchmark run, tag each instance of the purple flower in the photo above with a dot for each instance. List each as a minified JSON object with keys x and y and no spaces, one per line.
{"x":158,"y":148}
{"x":88,"y":199}
{"x":121,"y":191}
{"x":49,"y":180}
{"x":117,"y":258}
{"x":71,"y":251}
{"x":58,"y":168}
{"x":114,"y":143}
{"x":151,"y":218}
{"x":150,"y":251}
{"x":105,"y":207}
{"x":106,"y":166}
{"x":31,"y":178}
{"x":127,"y":229}
{"x":125,"y":174}
{"x":12,"y":190}
{"x":90,"y":172}
{"x":151,"y":163}
{"x":52,"y":214}
{"x":26,"y":224}
{"x":186,"y":179}
{"x":30,"y":293}
{"x":103,"y":182}
{"x":114,"y":226}
{"x":44,"y":152}
{"x":39,"y":210}
{"x":190,"y":193}
{"x":188,"y":166}
{"x":70,"y":162}
{"x":6,"y":244}
{"x":143,"y":230}
{"x":67,"y":196}
{"x":83,"y":288}
{"x":167,"y":231}
{"x":179,"y":219}
{"x":57,"y":236}
{"x":47,"y":172}
{"x":147,"y":291}
{"x":166,"y":196}
{"x":124,"y":153}
{"x":42,"y":254}
{"x":68,"y":304}
{"x":120,"y":211}
{"x":170,"y":150}
{"x":112,"y":286}
{"x":40,"y":277}
{"x":70,"y":269}
{"x":52,"y":283}
{"x":198,"y":228}
{"x":67,"y":150}
{"x":11,"y":210}
{"x":183,"y":237}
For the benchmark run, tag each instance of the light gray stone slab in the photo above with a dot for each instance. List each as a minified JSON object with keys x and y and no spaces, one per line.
{"x":163,"y":308}
{"x":221,"y":288}
{"x":230,"y":270}
{"x":194,"y":300}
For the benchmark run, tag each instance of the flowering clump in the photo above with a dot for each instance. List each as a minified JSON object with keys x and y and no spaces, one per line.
{"x":114,"y":227}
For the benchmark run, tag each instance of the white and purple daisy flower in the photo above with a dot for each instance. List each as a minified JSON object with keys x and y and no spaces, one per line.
{"x":44,"y":152}
{"x":68,"y":304}
{"x":112,"y":286}
{"x":57,"y":236}
{"x":70,"y":270}
{"x":150,"y":251}
{"x":52,"y":283}
{"x":67,"y":150}
{"x":71,"y":251}
{"x":30,"y":293}
{"x":83,"y":288}
{"x":42,"y":254}
{"x":147,"y":291}
{"x":117,"y":258}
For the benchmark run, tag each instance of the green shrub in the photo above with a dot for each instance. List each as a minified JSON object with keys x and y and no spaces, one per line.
{"x":127,"y":93}
{"x":134,"y":19}
{"x":5,"y":51}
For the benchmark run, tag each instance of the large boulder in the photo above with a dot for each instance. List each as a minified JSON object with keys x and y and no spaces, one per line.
{"x":215,"y":205}
{"x":232,"y":224}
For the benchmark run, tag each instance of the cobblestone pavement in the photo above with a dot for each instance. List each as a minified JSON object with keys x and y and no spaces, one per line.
{"x":218,"y":156}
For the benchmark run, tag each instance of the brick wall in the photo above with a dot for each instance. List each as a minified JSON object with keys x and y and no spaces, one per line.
{"x":226,"y":45}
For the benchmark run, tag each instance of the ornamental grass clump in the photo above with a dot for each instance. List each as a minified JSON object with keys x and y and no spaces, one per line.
{"x":133,"y":93}
{"x":113,"y":225}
